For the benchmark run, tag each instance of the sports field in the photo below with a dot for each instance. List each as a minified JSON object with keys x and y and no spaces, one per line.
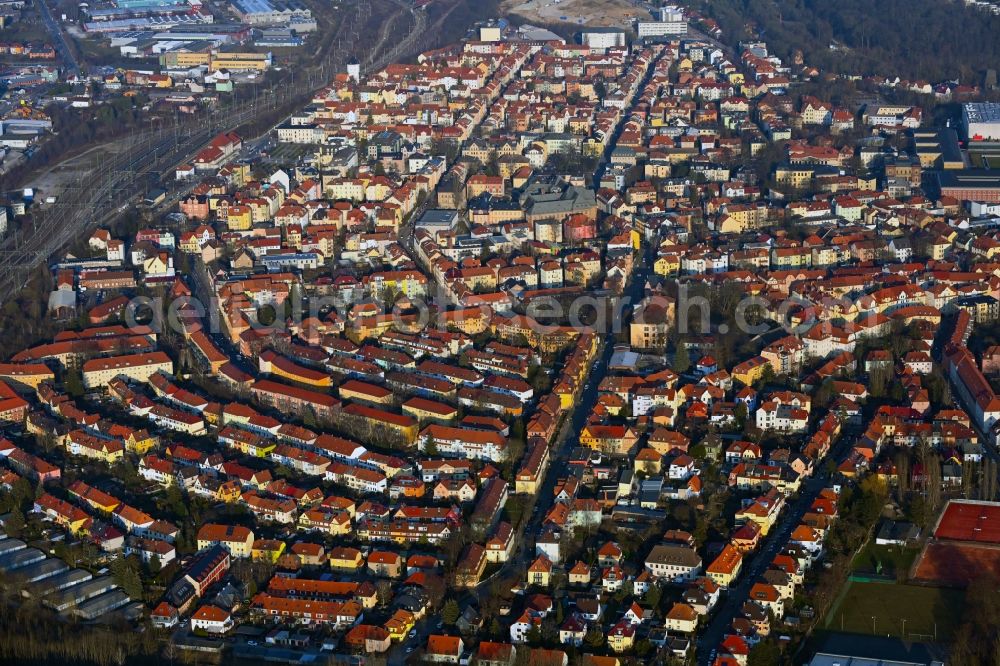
{"x":889,"y":609}
{"x":965,"y":547}
{"x":957,"y":564}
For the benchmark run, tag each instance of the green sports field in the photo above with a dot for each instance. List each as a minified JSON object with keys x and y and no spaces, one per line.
{"x":885,"y":609}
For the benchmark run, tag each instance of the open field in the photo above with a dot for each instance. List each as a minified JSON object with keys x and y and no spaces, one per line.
{"x":617,"y":13}
{"x":65,"y":174}
{"x":884,"y":609}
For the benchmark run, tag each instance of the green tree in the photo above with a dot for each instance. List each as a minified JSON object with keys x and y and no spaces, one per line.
{"x":764,"y":653}
{"x":14,"y":524}
{"x":125,"y":573}
{"x":309,"y":419}
{"x":73,"y":382}
{"x":653,"y":596}
{"x":155,"y":566}
{"x":917,"y":510}
{"x":594,"y":638}
{"x":174,"y":500}
{"x":977,"y":641}
{"x":741,"y":415}
{"x":450,"y":612}
{"x":389,"y":296}
{"x":492,"y":167}
{"x":682,"y":359}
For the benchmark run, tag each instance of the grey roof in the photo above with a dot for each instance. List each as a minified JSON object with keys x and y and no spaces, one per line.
{"x":673,"y":554}
{"x":41,"y":570}
{"x":10,"y":545}
{"x":60,"y":582}
{"x":969,"y":178}
{"x":21,"y":558}
{"x":102,"y":605}
{"x":71,"y":596}
{"x":546,"y":198}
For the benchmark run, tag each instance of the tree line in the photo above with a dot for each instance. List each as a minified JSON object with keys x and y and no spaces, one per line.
{"x":915,"y":39}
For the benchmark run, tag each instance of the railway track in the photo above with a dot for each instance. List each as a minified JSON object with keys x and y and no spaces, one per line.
{"x":101,"y":196}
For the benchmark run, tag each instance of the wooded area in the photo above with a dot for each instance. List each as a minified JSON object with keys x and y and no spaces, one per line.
{"x":914,"y":39}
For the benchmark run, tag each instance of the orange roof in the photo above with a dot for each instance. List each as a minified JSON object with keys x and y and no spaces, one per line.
{"x":210,"y":613}
{"x":381,"y":415}
{"x":727,"y":561}
{"x":682,"y":612}
{"x":127,"y":361}
{"x":224,"y":533}
{"x":437,"y":644}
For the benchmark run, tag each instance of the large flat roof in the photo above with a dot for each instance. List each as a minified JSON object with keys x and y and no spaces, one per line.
{"x":982,"y":112}
{"x":985,"y":178}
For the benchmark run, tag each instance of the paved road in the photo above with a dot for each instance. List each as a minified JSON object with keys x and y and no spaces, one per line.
{"x":59,"y":39}
{"x":566,"y":439}
{"x":713,"y":634}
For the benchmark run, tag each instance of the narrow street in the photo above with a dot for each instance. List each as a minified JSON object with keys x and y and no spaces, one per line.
{"x":59,"y":39}
{"x":715,"y":631}
{"x":569,"y":433}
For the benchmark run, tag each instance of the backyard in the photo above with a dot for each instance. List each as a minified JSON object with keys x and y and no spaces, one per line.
{"x":885,"y":560}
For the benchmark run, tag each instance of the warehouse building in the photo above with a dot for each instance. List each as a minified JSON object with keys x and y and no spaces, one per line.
{"x":981,"y":121}
{"x":20,"y":559}
{"x":671,"y":24}
{"x":971,"y":184}
{"x":10,"y":545}
{"x":264,"y":12}
{"x":102,"y":605}
{"x":62,"y":600}
{"x":58,"y":582}
{"x":41,"y":570}
{"x":601,"y":39}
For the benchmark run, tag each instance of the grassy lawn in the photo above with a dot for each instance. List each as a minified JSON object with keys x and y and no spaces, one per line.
{"x":892,"y":558}
{"x":980,"y":158}
{"x":893,"y":606}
